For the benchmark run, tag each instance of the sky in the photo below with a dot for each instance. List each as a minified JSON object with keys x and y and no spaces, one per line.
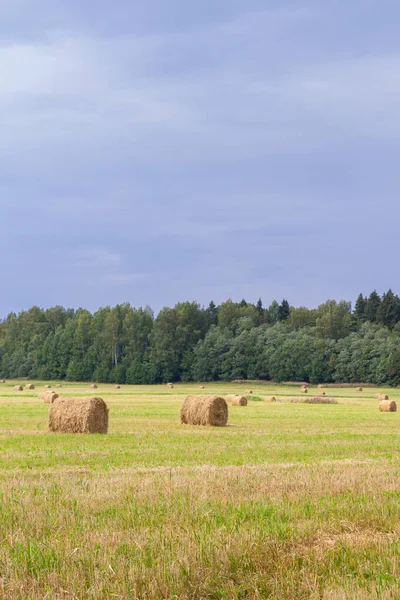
{"x":162,"y":151}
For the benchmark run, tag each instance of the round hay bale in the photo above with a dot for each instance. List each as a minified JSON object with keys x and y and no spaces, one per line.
{"x":29,"y":386}
{"x":381,"y":396}
{"x":94,"y":386}
{"x":323,"y":393}
{"x":117,"y":387}
{"x":359,"y":389}
{"x":248,"y":391}
{"x":170,"y":385}
{"x":18,"y":388}
{"x":236,"y":400}
{"x":387,"y":406}
{"x":48,"y":397}
{"x":304,"y":390}
{"x":320,"y":386}
{"x":204,"y":410}
{"x":59,"y":385}
{"x":270,"y":399}
{"x":2,"y":380}
{"x":47,"y":386}
{"x":202,"y":387}
{"x":78,"y":415}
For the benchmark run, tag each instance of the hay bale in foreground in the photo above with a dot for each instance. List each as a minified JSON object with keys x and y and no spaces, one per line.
{"x":29,"y":386}
{"x":387,"y":406}
{"x":48,"y":397}
{"x":78,"y":415}
{"x":270,"y":399}
{"x":204,"y":410}
{"x":94,"y":386}
{"x":18,"y":388}
{"x":236,"y":400}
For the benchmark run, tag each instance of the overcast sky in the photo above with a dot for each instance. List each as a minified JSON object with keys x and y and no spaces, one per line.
{"x":169,"y":150}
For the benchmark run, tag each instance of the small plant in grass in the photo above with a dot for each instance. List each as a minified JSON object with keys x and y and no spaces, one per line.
{"x":320,"y":400}
{"x":255,"y":398}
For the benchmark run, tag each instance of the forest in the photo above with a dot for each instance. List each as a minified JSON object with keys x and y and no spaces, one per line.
{"x":122,"y":344}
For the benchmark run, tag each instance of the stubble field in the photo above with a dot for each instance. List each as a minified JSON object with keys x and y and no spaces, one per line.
{"x":290,"y":501}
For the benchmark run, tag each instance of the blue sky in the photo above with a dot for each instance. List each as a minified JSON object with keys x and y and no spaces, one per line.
{"x":161,"y":151}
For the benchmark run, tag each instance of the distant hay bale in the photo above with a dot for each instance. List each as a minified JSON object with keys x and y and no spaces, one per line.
{"x":304,"y":390}
{"x":78,"y":415}
{"x":2,"y":380}
{"x":29,"y":386}
{"x":202,"y":387}
{"x":359,"y":389}
{"x":270,"y":399}
{"x":48,"y":397}
{"x":170,"y":386}
{"x":58,"y":385}
{"x":47,"y":386}
{"x":248,"y":391}
{"x":18,"y":388}
{"x":381,"y":396}
{"x":323,"y":393}
{"x":204,"y":410}
{"x":117,"y":387}
{"x":320,"y":387}
{"x":236,"y":400}
{"x":387,"y":406}
{"x":94,"y":386}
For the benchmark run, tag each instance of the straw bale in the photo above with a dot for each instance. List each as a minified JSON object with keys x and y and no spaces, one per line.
{"x":387,"y":406}
{"x":79,"y":415}
{"x":48,"y":397}
{"x":204,"y":410}
{"x":236,"y":400}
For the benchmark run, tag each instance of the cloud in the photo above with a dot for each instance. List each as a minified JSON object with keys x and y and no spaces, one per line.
{"x":203,"y":149}
{"x":95,"y":257}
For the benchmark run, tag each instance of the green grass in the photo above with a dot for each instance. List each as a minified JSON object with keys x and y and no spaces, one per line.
{"x":290,"y":501}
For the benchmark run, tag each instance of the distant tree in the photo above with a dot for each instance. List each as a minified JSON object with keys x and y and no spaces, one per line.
{"x":284,"y":311}
{"x":359,"y":309}
{"x":388,"y":312}
{"x":301,"y":317}
{"x":273,"y":313}
{"x":372,"y":307}
{"x":212,"y":313}
{"x":334,"y":319}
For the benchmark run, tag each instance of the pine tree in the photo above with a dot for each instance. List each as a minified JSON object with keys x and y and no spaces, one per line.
{"x":372,"y":307}
{"x":359,"y":309}
{"x":388,"y":312}
{"x":284,"y":311}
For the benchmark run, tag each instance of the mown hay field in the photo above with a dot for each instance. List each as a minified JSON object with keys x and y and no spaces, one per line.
{"x":289,"y":501}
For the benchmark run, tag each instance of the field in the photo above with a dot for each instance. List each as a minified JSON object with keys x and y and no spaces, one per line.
{"x":290,"y":501}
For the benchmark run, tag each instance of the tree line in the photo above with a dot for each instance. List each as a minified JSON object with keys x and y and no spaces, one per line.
{"x":188,"y":342}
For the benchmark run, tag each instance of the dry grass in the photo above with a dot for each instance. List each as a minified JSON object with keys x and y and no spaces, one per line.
{"x":282,"y":504}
